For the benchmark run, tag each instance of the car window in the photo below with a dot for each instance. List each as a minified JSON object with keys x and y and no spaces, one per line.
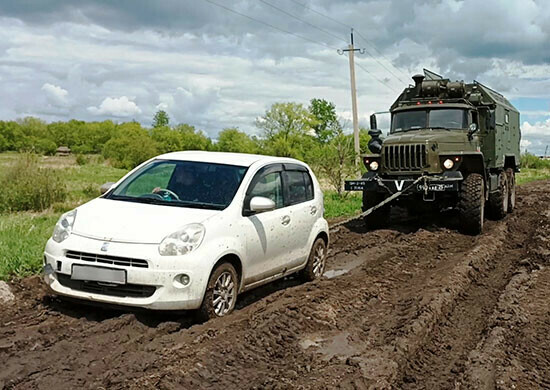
{"x":182,"y":183}
{"x":269,"y":186}
{"x":297,"y":187}
{"x":309,"y":186}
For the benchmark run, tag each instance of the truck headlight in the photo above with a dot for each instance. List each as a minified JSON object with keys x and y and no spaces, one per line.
{"x":64,"y":226}
{"x":448,"y":163}
{"x":183,"y":241}
{"x":373,"y":166}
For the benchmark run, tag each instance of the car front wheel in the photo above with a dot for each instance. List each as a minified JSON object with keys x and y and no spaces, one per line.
{"x":316,"y":261}
{"x":221,"y":292}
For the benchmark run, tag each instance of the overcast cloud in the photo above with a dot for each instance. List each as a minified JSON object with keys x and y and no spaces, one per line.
{"x":211,"y":68}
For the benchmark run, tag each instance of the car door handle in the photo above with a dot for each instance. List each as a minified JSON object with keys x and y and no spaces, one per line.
{"x":313,"y":210}
{"x":285,"y":220}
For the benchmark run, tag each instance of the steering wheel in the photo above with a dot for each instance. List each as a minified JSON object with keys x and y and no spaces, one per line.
{"x":166,"y":190}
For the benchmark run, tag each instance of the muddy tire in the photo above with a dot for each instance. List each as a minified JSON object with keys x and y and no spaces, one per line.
{"x":471,"y":205}
{"x":221,"y":293}
{"x":316,"y":261}
{"x":498,"y":201}
{"x":511,"y":189}
{"x":380,"y":217}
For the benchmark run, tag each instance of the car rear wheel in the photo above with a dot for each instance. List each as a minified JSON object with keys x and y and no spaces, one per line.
{"x":316,"y":261}
{"x":221,"y":292}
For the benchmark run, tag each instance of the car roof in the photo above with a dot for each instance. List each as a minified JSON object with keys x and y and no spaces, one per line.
{"x":240,"y":159}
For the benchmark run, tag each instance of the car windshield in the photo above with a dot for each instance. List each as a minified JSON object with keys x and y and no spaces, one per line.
{"x":181,"y":184}
{"x":441,"y":118}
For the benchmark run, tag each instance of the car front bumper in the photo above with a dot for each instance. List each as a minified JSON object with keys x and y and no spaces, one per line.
{"x":156,"y":285}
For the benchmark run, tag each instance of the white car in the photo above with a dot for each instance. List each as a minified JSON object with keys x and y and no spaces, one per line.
{"x":191,"y":230}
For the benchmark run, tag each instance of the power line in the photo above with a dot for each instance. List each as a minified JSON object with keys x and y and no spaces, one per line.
{"x":365,"y":39}
{"x":319,"y":13}
{"x":270,"y":25}
{"x":303,"y":21}
{"x":376,"y":78}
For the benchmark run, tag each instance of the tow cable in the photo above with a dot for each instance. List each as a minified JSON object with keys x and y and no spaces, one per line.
{"x":336,"y":227}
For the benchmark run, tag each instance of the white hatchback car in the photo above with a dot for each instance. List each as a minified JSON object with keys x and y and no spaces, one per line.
{"x":191,"y":230}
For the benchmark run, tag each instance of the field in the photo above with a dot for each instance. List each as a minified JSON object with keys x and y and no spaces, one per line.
{"x":413,"y":306}
{"x":24,"y":234}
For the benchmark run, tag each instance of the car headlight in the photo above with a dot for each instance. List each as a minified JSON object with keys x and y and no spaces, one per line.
{"x":183,"y":241}
{"x":373,"y":166}
{"x":64,"y":226}
{"x":448,"y":163}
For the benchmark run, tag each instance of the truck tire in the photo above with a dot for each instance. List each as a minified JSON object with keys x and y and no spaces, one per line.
{"x":471,"y":204}
{"x":498,"y":201}
{"x":380,"y":217}
{"x":511,"y":189}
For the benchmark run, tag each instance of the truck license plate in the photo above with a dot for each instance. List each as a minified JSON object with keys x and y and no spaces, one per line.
{"x":98,"y":274}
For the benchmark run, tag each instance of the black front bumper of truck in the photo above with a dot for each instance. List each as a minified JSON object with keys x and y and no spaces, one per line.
{"x":372,"y":182}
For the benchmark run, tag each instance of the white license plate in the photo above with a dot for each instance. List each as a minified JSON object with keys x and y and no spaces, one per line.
{"x":98,"y":274}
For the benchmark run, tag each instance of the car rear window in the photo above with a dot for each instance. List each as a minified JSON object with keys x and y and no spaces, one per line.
{"x":300,"y":187}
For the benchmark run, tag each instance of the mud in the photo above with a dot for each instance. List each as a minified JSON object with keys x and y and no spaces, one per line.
{"x":414,"y":306}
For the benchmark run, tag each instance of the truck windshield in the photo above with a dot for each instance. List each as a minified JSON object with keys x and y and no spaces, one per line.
{"x":441,"y":118}
{"x":181,"y":184}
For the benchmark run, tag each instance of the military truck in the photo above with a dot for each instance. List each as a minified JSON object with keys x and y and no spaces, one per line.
{"x":451,"y":144}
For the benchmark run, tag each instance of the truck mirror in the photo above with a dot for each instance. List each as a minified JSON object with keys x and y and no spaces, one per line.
{"x":473,"y":128}
{"x":373,"y":124}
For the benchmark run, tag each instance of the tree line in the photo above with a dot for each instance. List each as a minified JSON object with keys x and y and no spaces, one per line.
{"x":310,"y":133}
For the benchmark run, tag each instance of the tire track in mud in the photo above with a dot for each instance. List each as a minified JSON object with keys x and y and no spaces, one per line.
{"x":410,"y":308}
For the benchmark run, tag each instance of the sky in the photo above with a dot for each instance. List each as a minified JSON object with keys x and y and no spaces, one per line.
{"x":219,"y":63}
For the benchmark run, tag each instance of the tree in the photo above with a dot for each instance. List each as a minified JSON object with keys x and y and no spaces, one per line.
{"x":287,"y":129}
{"x":130,"y":146}
{"x":192,"y":139}
{"x":161,"y":119}
{"x":233,"y":140}
{"x":167,"y":140}
{"x":327,"y":124}
{"x":335,"y":160}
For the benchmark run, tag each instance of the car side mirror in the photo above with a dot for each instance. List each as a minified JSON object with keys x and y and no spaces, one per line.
{"x":259,"y":204}
{"x":106,"y":187}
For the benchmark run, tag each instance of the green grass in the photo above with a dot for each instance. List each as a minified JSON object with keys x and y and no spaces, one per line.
{"x":527,"y":174}
{"x":342,"y":206}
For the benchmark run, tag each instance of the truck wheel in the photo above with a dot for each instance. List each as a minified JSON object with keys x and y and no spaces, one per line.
{"x":498,"y":201}
{"x":380,"y":217}
{"x":316,"y":261}
{"x":471,"y":204}
{"x":511,"y":189}
{"x":221,"y":293}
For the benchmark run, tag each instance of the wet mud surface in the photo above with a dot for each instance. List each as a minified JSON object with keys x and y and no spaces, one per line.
{"x":414,"y":306}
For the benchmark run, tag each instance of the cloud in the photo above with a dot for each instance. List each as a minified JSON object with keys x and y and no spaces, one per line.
{"x":57,"y":96}
{"x":524,"y":144}
{"x":535,"y":137}
{"x":117,"y":107}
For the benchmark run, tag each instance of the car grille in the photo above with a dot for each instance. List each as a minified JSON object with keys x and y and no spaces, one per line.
{"x":106,"y":259}
{"x":405,"y":157}
{"x":122,"y":291}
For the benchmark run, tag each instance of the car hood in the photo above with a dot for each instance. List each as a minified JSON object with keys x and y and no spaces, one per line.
{"x":122,"y":221}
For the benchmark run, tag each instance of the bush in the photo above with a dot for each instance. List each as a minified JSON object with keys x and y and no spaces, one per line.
{"x":130,"y":147}
{"x":81,"y":159}
{"x":26,"y":186}
{"x":531,"y":161}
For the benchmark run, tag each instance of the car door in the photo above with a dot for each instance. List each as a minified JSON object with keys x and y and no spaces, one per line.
{"x":303,"y":211}
{"x":268,"y":233}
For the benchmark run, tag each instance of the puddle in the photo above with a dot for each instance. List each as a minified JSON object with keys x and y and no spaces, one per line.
{"x":339,"y":346}
{"x":342,"y":270}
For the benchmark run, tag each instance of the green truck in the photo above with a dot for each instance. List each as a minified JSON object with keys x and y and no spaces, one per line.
{"x":451,"y":145}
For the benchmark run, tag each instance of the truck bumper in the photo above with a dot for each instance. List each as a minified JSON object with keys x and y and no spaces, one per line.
{"x":372,"y":182}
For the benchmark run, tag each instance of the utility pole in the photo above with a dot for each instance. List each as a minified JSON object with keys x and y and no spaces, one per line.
{"x":351,"y":52}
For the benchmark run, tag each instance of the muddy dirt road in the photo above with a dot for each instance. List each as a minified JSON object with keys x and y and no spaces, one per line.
{"x":415,"y":306}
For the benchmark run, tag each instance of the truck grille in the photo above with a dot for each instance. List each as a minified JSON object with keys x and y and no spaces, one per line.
{"x":106,"y":259}
{"x":122,"y":291}
{"x":405,"y":157}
